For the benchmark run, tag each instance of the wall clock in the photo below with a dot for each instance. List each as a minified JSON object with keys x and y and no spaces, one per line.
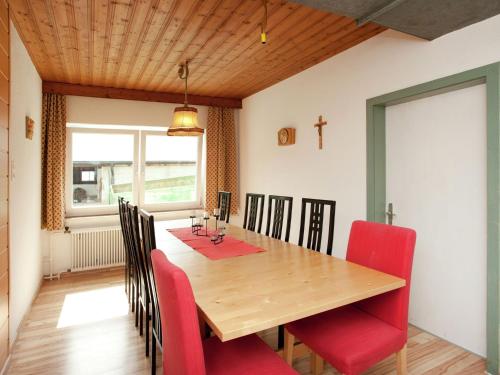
{"x":286,"y":136}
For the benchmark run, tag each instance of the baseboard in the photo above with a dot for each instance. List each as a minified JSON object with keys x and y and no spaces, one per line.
{"x":21,"y":323}
{"x":25,"y":316}
{"x":5,"y":366}
{"x":66,"y":275}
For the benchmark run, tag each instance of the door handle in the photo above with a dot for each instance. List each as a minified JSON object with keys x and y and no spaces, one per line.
{"x":390,"y":213}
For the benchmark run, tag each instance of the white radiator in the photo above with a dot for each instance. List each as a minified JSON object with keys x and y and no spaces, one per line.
{"x":96,"y":248}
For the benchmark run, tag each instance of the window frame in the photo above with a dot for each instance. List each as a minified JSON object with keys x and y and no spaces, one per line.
{"x":138,"y":165}
{"x":174,"y":206}
{"x":94,"y":210}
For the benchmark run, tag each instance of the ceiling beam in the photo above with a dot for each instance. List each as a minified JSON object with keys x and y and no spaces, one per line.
{"x":142,"y":95}
{"x":379,"y":12}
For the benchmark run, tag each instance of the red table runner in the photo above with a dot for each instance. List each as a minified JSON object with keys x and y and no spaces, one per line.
{"x":230,"y":247}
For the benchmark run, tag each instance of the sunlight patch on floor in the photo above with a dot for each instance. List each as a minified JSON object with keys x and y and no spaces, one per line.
{"x":93,"y":306}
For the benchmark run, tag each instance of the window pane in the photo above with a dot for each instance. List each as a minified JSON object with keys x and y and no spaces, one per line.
{"x":102,"y":168}
{"x":170,"y":169}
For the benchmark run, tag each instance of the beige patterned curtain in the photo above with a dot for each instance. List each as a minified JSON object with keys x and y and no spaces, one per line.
{"x":53,"y":160}
{"x":222,"y":160}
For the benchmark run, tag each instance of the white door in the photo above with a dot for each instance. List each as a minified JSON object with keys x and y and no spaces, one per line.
{"x":436,"y":180}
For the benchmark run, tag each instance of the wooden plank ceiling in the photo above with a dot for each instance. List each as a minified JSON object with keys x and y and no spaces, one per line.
{"x":138,"y":44}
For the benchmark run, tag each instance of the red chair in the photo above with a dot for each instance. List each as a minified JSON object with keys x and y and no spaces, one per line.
{"x":183,"y":351}
{"x":355,"y":337}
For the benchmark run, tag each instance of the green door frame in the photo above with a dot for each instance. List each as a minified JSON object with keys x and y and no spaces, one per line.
{"x":376,"y":173}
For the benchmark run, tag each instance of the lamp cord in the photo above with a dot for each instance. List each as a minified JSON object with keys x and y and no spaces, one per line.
{"x":221,"y":119}
{"x":183,"y":74}
{"x":263,"y":25}
{"x":186,"y":86}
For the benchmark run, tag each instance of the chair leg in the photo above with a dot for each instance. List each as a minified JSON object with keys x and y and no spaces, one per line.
{"x":317,"y":364}
{"x":208,"y":331}
{"x":281,"y":337}
{"x":128,"y":285}
{"x":153,"y":354}
{"x":137,"y":307}
{"x":288,"y":349}
{"x":402,"y":361}
{"x":148,"y":319}
{"x":131,"y":297}
{"x":141,"y":319}
{"x":126,"y":278}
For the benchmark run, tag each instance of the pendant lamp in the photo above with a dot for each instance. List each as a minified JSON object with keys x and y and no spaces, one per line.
{"x":185,"y":121}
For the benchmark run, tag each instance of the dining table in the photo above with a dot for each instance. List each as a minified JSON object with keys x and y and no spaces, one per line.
{"x":241,"y":295}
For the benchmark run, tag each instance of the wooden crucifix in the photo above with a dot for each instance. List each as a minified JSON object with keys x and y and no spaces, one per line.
{"x":320,"y":125}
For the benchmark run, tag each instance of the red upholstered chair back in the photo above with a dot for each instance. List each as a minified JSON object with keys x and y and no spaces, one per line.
{"x":388,"y":249}
{"x":181,"y":340}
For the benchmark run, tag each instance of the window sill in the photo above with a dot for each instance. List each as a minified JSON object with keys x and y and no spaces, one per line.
{"x":114,"y":220}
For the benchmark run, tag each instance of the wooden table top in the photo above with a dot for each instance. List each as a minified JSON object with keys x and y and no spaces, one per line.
{"x":247,"y":294}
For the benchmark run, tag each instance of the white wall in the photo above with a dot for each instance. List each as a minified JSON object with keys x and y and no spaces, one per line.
{"x":338,"y":89}
{"x":123,"y":112}
{"x":26,"y":237}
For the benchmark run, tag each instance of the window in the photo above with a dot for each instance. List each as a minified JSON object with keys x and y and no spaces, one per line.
{"x":88,"y":177}
{"x":143,"y":165}
{"x":84,"y":175}
{"x":170,"y":169}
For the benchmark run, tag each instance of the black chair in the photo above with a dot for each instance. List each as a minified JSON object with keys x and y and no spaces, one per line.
{"x":142,"y":294}
{"x":279,"y":216}
{"x":134,"y":262}
{"x":315,"y":230}
{"x":128,"y":265}
{"x":149,"y":244}
{"x":224,"y":204}
{"x":252,"y":209}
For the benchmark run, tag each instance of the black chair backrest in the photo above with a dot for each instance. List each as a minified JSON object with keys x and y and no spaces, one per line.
{"x":279,"y":216}
{"x":254,"y":207}
{"x":148,"y":230}
{"x":122,"y":207}
{"x":121,"y":203}
{"x":127,"y":235}
{"x":315,"y":231}
{"x":121,"y":211}
{"x":135,"y":239}
{"x":224,"y":204}
{"x":128,"y":260}
{"x":149,"y":244}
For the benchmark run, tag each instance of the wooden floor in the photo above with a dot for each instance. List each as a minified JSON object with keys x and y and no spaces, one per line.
{"x":80,"y":325}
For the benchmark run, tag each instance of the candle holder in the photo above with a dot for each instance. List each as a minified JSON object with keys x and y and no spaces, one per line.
{"x":217,"y":217}
{"x":218,"y":237}
{"x":197,"y":225}
{"x":192,"y":217}
{"x":206,"y":218}
{"x":216,"y":221}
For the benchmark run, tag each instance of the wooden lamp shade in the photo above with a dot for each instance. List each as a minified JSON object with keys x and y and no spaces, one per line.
{"x":185,"y":122}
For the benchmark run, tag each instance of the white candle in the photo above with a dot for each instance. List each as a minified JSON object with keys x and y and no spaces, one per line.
{"x":216,"y":211}
{"x":205,"y":215}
